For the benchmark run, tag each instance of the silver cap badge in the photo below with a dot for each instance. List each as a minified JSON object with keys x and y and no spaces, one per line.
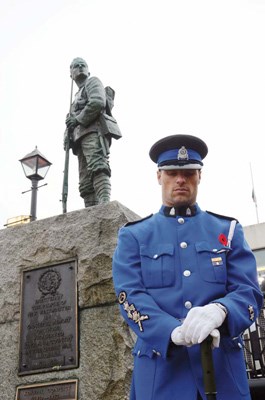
{"x":183,"y":153}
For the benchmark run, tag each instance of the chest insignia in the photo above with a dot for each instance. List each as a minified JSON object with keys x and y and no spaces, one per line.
{"x":132,"y":312}
{"x":217,"y":261}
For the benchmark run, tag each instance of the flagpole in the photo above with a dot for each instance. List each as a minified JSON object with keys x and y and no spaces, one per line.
{"x":254,"y":195}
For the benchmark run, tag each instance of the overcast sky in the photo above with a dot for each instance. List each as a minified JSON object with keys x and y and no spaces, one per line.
{"x":193,"y":66}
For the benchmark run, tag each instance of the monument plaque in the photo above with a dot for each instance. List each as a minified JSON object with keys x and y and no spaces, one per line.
{"x":61,"y":390}
{"x":48,"y":324}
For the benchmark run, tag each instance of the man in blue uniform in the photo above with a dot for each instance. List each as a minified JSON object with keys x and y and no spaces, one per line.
{"x":181,"y":275}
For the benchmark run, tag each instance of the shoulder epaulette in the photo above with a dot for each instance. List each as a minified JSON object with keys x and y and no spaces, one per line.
{"x":137,"y":221}
{"x":222,"y":216}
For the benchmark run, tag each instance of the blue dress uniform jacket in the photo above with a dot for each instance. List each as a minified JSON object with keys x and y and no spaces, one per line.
{"x":164,"y":266}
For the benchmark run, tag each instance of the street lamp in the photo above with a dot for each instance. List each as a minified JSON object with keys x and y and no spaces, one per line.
{"x":35,"y":167}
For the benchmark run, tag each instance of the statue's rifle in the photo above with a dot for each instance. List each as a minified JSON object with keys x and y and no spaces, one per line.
{"x":66,"y":160}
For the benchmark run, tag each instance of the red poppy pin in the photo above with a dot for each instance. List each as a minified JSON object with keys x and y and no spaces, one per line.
{"x":222,"y":239}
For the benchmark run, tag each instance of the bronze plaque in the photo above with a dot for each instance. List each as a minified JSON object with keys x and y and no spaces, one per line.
{"x":48,"y":324}
{"x":61,"y":390}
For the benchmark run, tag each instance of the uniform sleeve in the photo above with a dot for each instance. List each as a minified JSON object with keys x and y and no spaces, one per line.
{"x":138,"y":308}
{"x":96,"y":102}
{"x":244,"y":298}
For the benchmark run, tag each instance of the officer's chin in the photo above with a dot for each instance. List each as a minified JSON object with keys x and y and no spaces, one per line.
{"x":181,"y":200}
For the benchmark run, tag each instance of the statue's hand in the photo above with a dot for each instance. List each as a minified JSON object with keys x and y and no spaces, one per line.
{"x":71,"y":122}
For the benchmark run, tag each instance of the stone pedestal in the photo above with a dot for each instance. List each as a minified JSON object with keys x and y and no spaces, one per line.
{"x":88,"y":236}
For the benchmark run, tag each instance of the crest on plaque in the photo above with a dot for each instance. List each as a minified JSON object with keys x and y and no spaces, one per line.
{"x":49,"y":282}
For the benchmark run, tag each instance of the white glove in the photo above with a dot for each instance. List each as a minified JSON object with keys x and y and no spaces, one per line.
{"x":200,"y":323}
{"x":178,"y":339}
{"x":216,"y":338}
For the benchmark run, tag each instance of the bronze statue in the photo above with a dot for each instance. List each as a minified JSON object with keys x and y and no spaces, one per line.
{"x":89,"y":136}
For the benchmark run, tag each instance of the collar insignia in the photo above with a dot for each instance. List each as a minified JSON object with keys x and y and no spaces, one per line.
{"x":183,"y":153}
{"x":182,"y":211}
{"x":172,"y":211}
{"x":188,"y":212}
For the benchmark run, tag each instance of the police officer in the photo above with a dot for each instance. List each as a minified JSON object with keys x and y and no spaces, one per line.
{"x":181,"y":275}
{"x":84,"y":130}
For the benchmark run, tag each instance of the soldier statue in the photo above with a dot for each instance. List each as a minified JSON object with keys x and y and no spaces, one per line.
{"x":86,"y":136}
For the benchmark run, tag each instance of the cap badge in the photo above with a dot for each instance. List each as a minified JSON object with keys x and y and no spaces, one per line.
{"x":183,"y":153}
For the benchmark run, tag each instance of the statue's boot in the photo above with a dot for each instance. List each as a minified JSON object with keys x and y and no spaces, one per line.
{"x":90,"y":200}
{"x":102,"y":187}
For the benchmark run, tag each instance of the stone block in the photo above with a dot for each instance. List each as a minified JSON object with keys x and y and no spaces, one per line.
{"x":88,"y":236}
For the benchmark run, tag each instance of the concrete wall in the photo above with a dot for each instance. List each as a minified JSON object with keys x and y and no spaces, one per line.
{"x":89,"y":237}
{"x":255,"y":235}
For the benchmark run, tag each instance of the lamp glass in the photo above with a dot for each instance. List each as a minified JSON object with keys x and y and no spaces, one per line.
{"x":35,"y":167}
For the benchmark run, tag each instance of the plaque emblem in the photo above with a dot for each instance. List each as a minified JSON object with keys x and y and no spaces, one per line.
{"x":49,"y":282}
{"x":183,"y":153}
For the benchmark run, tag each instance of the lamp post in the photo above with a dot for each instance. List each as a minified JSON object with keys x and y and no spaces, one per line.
{"x":35,"y":167}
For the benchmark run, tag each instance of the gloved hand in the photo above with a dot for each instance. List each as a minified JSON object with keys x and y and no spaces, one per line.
{"x":178,"y":339}
{"x":216,"y":338}
{"x":200,"y":322}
